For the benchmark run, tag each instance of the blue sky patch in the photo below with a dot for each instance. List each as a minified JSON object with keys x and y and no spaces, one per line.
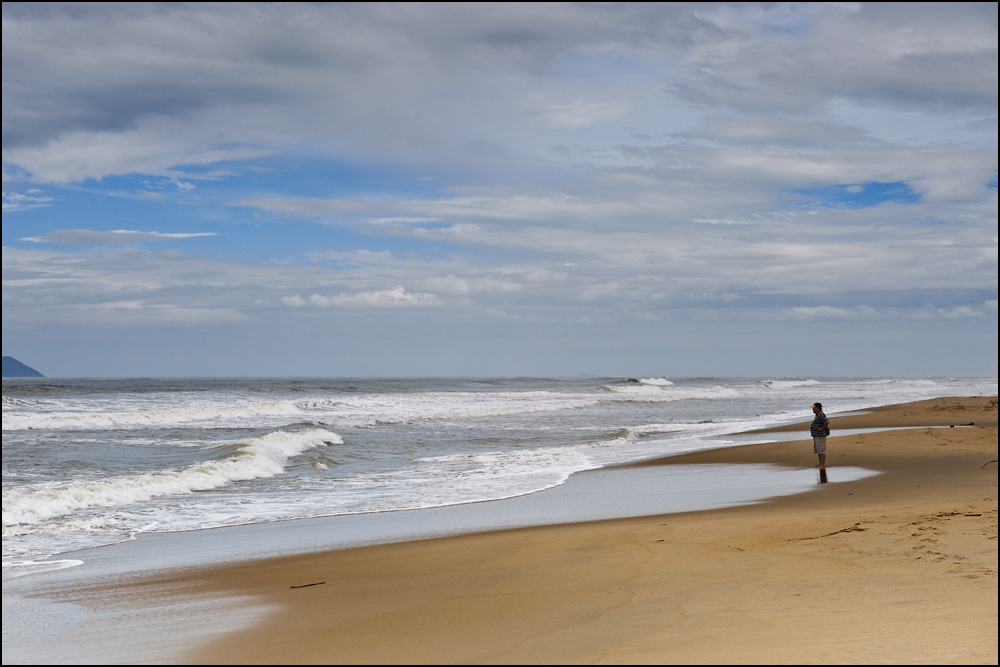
{"x":203,"y":208}
{"x":857,"y":195}
{"x":196,"y":204}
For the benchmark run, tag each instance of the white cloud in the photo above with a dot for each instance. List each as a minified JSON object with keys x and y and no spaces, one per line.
{"x":927,"y":312}
{"x":15,"y":201}
{"x":399,"y":220}
{"x":423,"y":83}
{"x":960,"y":312}
{"x":91,"y":237}
{"x":295,"y":301}
{"x":356,"y":257}
{"x":311,"y":207}
{"x":593,"y":163}
{"x":156,"y":149}
{"x":830,"y":312}
{"x":389,"y":298}
{"x":452,"y":284}
{"x":139,"y":313}
{"x":660,"y":232}
{"x":578,"y":114}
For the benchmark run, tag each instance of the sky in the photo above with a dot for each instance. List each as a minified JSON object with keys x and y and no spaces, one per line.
{"x":707,"y":189}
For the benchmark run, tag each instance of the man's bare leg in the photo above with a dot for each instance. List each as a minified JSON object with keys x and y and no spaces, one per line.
{"x":822,"y":461}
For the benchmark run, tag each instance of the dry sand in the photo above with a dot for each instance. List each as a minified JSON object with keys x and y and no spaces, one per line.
{"x":900,"y":568}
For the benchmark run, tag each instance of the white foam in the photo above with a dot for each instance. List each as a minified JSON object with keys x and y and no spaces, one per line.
{"x":668,"y":393}
{"x":12,"y":402}
{"x":13,"y":569}
{"x":438,"y":481}
{"x":507,"y":473}
{"x":263,"y":456}
{"x":424,"y":483}
{"x":385,"y":409}
{"x":657,"y":440}
{"x":215,"y":412}
{"x":788,"y":384}
{"x":84,"y":513}
{"x":357,"y":410}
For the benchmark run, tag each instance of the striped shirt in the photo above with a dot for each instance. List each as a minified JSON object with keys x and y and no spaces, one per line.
{"x":817,"y":427}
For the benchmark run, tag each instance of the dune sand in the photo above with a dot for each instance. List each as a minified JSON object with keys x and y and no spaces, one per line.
{"x":900,"y":567}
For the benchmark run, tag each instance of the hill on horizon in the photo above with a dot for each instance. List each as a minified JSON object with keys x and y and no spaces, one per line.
{"x":12,"y":368}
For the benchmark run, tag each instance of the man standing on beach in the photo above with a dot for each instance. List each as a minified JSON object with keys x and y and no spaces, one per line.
{"x":819,"y":429}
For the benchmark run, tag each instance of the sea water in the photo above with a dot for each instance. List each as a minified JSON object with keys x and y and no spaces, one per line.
{"x":88,"y":462}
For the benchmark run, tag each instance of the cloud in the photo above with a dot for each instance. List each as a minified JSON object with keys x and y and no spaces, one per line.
{"x":400,"y":221}
{"x":119,"y":287}
{"x":863,"y":312}
{"x":578,"y":113}
{"x":960,"y":312}
{"x":640,"y":236}
{"x":881,"y":55}
{"x":591,"y":163}
{"x":306,"y":207}
{"x":156,"y":148}
{"x":15,"y":201}
{"x":390,"y":298}
{"x":452,"y":284}
{"x":90,"y":237}
{"x":771,"y":130}
{"x":356,"y":257}
{"x":829,"y":312}
{"x":143,"y":314}
{"x":422,"y":84}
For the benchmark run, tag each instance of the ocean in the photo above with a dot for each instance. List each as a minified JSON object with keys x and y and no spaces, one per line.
{"x":89,"y":462}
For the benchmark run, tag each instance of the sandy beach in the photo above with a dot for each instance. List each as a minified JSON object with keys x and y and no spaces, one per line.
{"x":900,"y":568}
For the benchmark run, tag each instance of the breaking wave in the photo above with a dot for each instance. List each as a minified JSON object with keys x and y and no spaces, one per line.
{"x":788,"y":384}
{"x":352,"y":411}
{"x":666,"y":393}
{"x":163,"y":416}
{"x":263,"y":456}
{"x":11,"y":402}
{"x":374,"y":409}
{"x":452,"y":479}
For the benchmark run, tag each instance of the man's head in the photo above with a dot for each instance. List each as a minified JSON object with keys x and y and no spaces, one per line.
{"x":817,"y":407}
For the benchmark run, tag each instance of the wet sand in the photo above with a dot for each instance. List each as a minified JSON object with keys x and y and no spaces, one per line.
{"x":900,"y":567}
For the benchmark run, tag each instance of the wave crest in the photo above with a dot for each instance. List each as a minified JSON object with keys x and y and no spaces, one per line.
{"x":11,"y":402}
{"x":154,"y":417}
{"x":787,"y":384}
{"x":262,"y":456}
{"x":637,"y":391}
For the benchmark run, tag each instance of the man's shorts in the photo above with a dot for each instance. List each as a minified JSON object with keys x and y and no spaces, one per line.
{"x":819,"y":444}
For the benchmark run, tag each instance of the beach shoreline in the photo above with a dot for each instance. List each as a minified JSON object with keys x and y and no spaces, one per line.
{"x":844,"y":573}
{"x":896,"y":568}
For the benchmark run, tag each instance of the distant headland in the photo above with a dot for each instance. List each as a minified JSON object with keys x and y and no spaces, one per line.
{"x":12,"y":368}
